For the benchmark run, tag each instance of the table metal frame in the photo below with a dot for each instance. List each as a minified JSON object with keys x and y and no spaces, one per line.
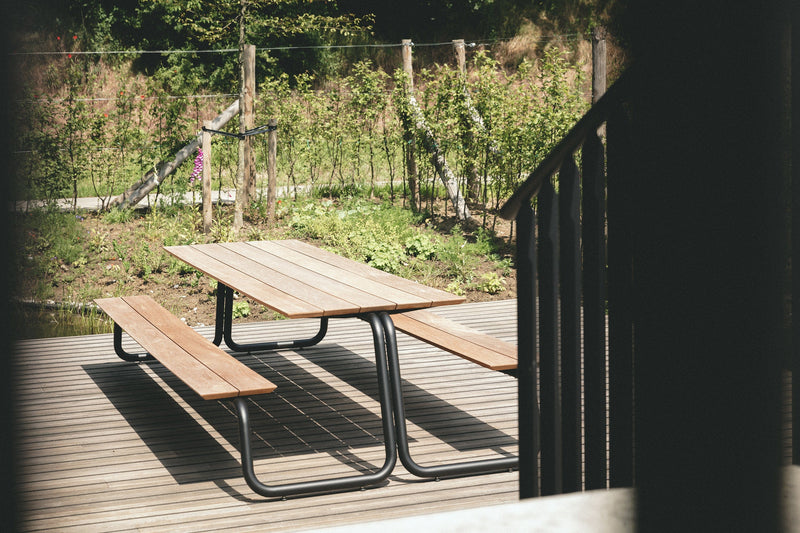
{"x":390,"y":399}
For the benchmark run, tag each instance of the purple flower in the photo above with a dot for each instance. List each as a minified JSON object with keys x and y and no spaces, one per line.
{"x":198,"y":167}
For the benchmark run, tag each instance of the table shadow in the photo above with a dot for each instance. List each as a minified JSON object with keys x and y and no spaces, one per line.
{"x":445,"y":421}
{"x":303,"y":416}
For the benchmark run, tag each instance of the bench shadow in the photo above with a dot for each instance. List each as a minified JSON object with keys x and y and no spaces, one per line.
{"x":303,"y":416}
{"x":445,"y":421}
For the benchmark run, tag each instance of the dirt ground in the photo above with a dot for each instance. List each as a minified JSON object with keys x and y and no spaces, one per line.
{"x":193,"y":298}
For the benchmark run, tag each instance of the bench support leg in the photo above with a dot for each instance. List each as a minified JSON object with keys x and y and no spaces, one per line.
{"x":224,"y":323}
{"x":438,"y":471}
{"x":130,"y":357}
{"x":327,"y":485}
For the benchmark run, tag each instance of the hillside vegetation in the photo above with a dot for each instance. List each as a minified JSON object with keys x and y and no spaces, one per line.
{"x":92,"y":124}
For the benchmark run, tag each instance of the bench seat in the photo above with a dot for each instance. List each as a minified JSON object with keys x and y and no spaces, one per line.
{"x":214,"y":374}
{"x":458,"y":339}
{"x":204,"y":367}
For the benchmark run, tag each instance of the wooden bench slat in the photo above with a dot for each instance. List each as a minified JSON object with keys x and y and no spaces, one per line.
{"x":244,"y":379}
{"x":464,"y":332}
{"x":164,"y":344}
{"x":198,"y":377}
{"x":455,"y":338}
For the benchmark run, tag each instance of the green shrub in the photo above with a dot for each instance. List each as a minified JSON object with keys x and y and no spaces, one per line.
{"x":491,"y":283}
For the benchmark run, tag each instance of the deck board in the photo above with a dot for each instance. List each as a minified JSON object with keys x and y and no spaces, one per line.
{"x":114,"y":446}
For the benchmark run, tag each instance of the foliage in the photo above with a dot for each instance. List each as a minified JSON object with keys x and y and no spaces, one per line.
{"x":491,"y":283}
{"x":493,"y":127}
{"x":240,"y":309}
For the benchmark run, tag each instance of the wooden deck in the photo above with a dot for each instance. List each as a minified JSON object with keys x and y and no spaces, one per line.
{"x":115,"y":446}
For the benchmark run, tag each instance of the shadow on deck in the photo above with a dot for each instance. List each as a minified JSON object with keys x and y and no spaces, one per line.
{"x":114,"y":446}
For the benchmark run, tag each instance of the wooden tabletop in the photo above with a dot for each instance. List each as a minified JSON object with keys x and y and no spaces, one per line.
{"x":300,"y":280}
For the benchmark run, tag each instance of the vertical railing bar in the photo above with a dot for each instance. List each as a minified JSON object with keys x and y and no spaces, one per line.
{"x":795,"y":257}
{"x":529,"y":427}
{"x":570,"y":290}
{"x":620,"y":304}
{"x":548,"y":337}
{"x":594,"y":312}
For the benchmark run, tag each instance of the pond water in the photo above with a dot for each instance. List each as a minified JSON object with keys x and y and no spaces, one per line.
{"x":38,"y":323}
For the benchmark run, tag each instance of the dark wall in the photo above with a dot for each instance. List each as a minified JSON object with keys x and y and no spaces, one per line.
{"x":8,"y":459}
{"x":710,"y":249}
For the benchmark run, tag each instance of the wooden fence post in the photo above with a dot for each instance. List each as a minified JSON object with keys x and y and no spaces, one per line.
{"x":599,"y":68}
{"x":248,"y":114}
{"x":461,"y":56}
{"x":409,"y":137}
{"x":207,"y":179}
{"x":272,"y":148}
{"x":245,"y":167}
{"x":468,"y":139}
{"x":598,"y":63}
{"x":149,"y":181}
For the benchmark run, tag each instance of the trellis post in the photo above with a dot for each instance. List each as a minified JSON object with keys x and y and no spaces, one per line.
{"x":207,"y":178}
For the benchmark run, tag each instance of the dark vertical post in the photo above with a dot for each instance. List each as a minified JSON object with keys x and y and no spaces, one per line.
{"x":10,"y":458}
{"x":620,"y":304}
{"x":526,"y":348}
{"x":708,"y":302}
{"x":570,"y":292}
{"x":594,"y":312}
{"x":550,"y":397}
{"x":795,"y":232}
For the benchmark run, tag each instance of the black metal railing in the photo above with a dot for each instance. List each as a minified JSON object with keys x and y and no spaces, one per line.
{"x":576,"y":301}
{"x":576,"y":398}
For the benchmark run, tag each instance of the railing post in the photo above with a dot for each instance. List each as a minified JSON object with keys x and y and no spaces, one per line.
{"x":529,"y":443}
{"x":594,"y":312}
{"x":620,"y":304}
{"x":570,"y":291}
{"x":548,"y":339}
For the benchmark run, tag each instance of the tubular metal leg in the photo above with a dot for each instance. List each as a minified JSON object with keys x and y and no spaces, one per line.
{"x":125,"y":356}
{"x":219,"y":324}
{"x":225,"y":321}
{"x":325,"y":485}
{"x":454,"y":469}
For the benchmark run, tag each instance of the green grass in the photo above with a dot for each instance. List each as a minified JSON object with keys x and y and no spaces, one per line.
{"x":76,"y":258}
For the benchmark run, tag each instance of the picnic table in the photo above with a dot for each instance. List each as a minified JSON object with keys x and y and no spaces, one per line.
{"x":300,"y":280}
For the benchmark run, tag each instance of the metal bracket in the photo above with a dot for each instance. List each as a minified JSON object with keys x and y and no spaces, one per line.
{"x":248,"y":133}
{"x":224,"y":326}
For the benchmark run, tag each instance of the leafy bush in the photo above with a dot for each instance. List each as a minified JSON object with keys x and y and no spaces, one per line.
{"x":422,"y":245}
{"x":491,"y":283}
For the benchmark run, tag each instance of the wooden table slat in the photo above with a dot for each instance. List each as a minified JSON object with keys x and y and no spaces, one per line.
{"x":263,"y":268}
{"x":423,"y":292}
{"x":269,"y":296}
{"x":384,"y":296}
{"x":330,"y":293}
